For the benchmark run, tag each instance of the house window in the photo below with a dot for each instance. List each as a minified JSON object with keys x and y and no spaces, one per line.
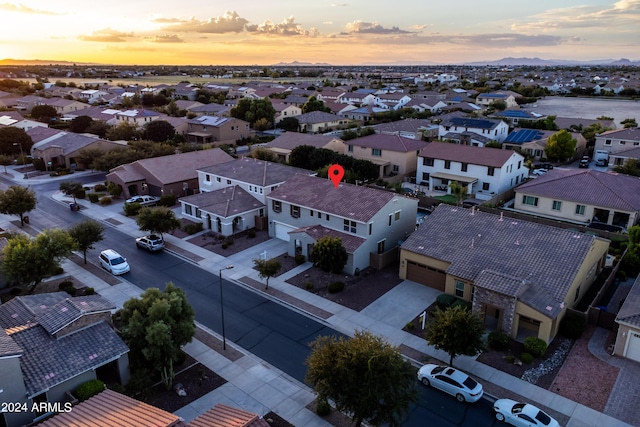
{"x":381,"y":246}
{"x":319,"y":215}
{"x":427,"y":161}
{"x":229,"y":182}
{"x":463,"y":167}
{"x":485,"y":186}
{"x":557,"y":205}
{"x":218,"y":179}
{"x":370,"y":228}
{"x":207,"y":178}
{"x":311,"y":213}
{"x":530,"y":200}
{"x":425,"y":176}
{"x":580,"y":209}
{"x":575,"y":298}
{"x":396,"y":168}
{"x":376,"y":152}
{"x":396,"y":216}
{"x":261,"y":212}
{"x":326,"y":217}
{"x":198,"y":213}
{"x":623,"y":142}
{"x":607,"y":142}
{"x":277,"y":206}
{"x":459,"y":289}
{"x":350,"y":148}
{"x":490,"y":170}
{"x":349,"y":226}
{"x":519,"y":164}
{"x":390,"y":218}
{"x":447,"y":164}
{"x":187,"y":209}
{"x":295,"y":211}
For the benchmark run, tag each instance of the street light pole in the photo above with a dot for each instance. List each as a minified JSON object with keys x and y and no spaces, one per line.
{"x":224,"y":338}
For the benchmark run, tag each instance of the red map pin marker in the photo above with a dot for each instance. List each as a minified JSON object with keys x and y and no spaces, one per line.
{"x":336,"y":172}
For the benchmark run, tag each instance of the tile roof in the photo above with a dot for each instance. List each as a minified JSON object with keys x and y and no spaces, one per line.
{"x":23,"y":310}
{"x":253,"y":171}
{"x":8,"y":347}
{"x":466,"y":135}
{"x":291,"y":140}
{"x":71,"y":309}
{"x":317,"y":117}
{"x":347,"y":200}
{"x":630,"y":311}
{"x":471,"y":123}
{"x":40,"y":133}
{"x":633,"y":153}
{"x":630,"y":134}
{"x":226,"y":202}
{"x":48,"y":361}
{"x":406,"y":125}
{"x":69,"y":142}
{"x":350,"y":242}
{"x":467,"y":154}
{"x":210,"y":108}
{"x":587,"y":186}
{"x":111,"y":409}
{"x":474,"y":242}
{"x":389,"y":142}
{"x":227,"y":416}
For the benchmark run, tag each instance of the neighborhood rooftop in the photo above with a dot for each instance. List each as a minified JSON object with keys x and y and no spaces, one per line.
{"x":466,"y":154}
{"x":253,"y":171}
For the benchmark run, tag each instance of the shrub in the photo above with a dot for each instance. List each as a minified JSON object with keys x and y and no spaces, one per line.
{"x":300,"y":259}
{"x":99,"y":187}
{"x":498,"y":340}
{"x":335,"y":287}
{"x":88,"y":389}
{"x":526,"y":358}
{"x":410,"y":326}
{"x":132,"y":209}
{"x":573,"y":325}
{"x":323,"y":408}
{"x":89,"y":291}
{"x":461,"y":303}
{"x":251,"y":233}
{"x":229,"y":241}
{"x":80,"y":194}
{"x":106,"y":200}
{"x":193,"y":228}
{"x":94,"y":197}
{"x":308,"y":286}
{"x":225,"y":246}
{"x":57,"y":270}
{"x":510,"y":358}
{"x":167,"y":200}
{"x":445,"y":300}
{"x":16,"y":291}
{"x":65,"y":284}
{"x":535,"y":346}
{"x":114,"y":189}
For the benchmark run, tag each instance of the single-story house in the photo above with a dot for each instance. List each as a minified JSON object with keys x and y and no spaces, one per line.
{"x":284,"y":144}
{"x":519,"y":276}
{"x":319,"y":121}
{"x":61,"y":150}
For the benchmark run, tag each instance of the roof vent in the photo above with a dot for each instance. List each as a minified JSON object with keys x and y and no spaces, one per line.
{"x":517,"y":242}
{"x":473,"y":210}
{"x":501,"y":215}
{"x":549,"y":308}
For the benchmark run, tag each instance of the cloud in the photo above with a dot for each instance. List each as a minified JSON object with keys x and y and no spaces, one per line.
{"x":20,"y":8}
{"x":372,"y":28}
{"x":230,"y":22}
{"x":165,"y":38}
{"x":107,"y":35}
{"x":288,"y":27}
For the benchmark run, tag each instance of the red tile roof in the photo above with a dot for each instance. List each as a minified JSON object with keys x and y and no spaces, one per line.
{"x":228,"y":416}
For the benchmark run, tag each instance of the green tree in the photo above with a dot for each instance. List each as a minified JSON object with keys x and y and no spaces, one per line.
{"x":252,"y":110}
{"x":88,"y":156}
{"x":86,"y":233}
{"x":27,"y":261}
{"x":262,"y":124}
{"x":71,"y":188}
{"x":261,"y":153}
{"x":17,"y":200}
{"x":561,"y":146}
{"x":159,"y":131}
{"x":629,"y":123}
{"x":314,"y":104}
{"x":498,"y":105}
{"x":99,"y":127}
{"x":365,"y":376}
{"x":329,"y":254}
{"x":43,"y":113}
{"x":5,"y":161}
{"x":629,"y":167}
{"x":457,"y":331}
{"x":80,"y":124}
{"x":289,"y":123}
{"x":10,"y":135}
{"x":155,"y":327}
{"x":458,"y":191}
{"x":125,"y":131}
{"x":493,"y":144}
{"x":157,"y":220}
{"x":267,"y":268}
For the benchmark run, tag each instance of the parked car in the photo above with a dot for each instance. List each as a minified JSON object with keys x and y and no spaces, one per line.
{"x":522,"y":414}
{"x":113,"y":262}
{"x":584,"y":162}
{"x":602,"y":162}
{"x":547,"y":166}
{"x":539,"y":172}
{"x":152,"y":243}
{"x":452,"y":381}
{"x":144,"y":200}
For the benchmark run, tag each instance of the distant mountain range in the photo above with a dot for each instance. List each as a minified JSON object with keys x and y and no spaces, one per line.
{"x":537,"y":62}
{"x":40,"y":62}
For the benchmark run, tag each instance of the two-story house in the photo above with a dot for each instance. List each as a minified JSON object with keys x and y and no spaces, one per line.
{"x":583,"y":196}
{"x":216,"y":129}
{"x":319,"y":121}
{"x":520,"y":276}
{"x":63,"y":105}
{"x":508,"y":97}
{"x":486,"y":172}
{"x":50,"y":344}
{"x":394,"y":155}
{"x":233,"y":194}
{"x":617,"y":140}
{"x":283,"y":145}
{"x":495,"y":130}
{"x":138,"y":117}
{"x":91,"y":96}
{"x":369,"y":222}
{"x":534,"y":141}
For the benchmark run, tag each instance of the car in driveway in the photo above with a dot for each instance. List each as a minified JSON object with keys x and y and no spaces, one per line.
{"x":113,"y":262}
{"x":152,"y":243}
{"x":584,"y":162}
{"x":539,"y":172}
{"x":452,"y":381}
{"x":522,"y":414}
{"x":144,"y":200}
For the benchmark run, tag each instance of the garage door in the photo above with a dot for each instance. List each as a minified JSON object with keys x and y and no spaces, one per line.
{"x":633,"y":351}
{"x":429,"y":276}
{"x":282,"y":231}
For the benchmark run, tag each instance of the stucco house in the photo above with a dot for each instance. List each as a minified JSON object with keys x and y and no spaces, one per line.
{"x":628,"y":320}
{"x":106,"y":115}
{"x":15,"y":119}
{"x":284,"y":144}
{"x":394,"y":155}
{"x":618,"y":158}
{"x":534,"y":142}
{"x":409,"y":128}
{"x":138,"y":117}
{"x":319,"y":121}
{"x":61,"y":150}
{"x":233,"y":194}
{"x":486,"y":172}
{"x":496,"y":130}
{"x":509,"y":98}
{"x":216,"y":129}
{"x":63,"y":105}
{"x":50,"y":344}
{"x":174,"y":174}
{"x":617,"y":140}
{"x":582,"y":196}
{"x":369,"y":222}
{"x":519,"y":276}
{"x":284,"y":111}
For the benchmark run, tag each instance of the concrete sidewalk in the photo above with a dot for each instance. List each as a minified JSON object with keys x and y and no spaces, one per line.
{"x":256,"y":386}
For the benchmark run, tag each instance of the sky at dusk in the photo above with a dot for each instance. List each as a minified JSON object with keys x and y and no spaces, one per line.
{"x":342,"y":32}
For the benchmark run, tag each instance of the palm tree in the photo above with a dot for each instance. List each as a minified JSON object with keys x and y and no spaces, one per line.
{"x":458,"y":191}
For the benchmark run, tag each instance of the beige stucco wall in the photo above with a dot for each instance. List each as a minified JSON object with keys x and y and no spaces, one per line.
{"x":412,"y":256}
{"x":545,"y":332}
{"x":622,"y":338}
{"x":450,"y":287}
{"x":407,"y":162}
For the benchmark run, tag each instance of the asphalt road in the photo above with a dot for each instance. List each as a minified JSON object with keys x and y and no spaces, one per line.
{"x":273,"y":332}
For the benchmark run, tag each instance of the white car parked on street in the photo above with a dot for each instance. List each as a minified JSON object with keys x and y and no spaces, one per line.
{"x":522,"y":414}
{"x":452,"y":381}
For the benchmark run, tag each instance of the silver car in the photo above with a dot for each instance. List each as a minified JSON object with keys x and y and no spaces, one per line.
{"x":152,"y":243}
